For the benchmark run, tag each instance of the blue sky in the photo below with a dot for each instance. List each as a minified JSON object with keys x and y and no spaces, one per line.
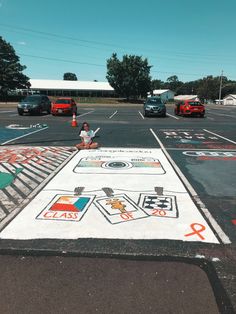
{"x":190,"y":39}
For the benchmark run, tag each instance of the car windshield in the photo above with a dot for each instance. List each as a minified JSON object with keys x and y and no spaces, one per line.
{"x":62,"y":101}
{"x":195,"y":103}
{"x":154,"y":101}
{"x":31,"y":99}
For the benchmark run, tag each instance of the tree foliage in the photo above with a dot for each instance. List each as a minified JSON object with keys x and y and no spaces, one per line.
{"x":11,"y":76}
{"x":130,"y":77}
{"x":68,"y":76}
{"x":173,"y":83}
{"x":206,"y":87}
{"x":157,"y":84}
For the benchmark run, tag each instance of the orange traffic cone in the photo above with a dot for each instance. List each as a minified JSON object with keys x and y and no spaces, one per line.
{"x":74,"y":122}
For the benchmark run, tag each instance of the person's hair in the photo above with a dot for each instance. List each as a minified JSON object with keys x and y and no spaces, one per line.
{"x":82,"y":127}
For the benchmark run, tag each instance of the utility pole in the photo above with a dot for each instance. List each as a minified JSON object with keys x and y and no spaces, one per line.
{"x":220,"y":87}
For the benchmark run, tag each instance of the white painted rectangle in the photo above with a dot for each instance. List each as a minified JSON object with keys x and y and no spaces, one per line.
{"x":185,"y":222}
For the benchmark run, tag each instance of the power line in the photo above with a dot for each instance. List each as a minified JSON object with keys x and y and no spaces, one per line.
{"x":101,"y":65}
{"x":61,"y":60}
{"x":184,"y":54}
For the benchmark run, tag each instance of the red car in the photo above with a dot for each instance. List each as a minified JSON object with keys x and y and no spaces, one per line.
{"x":190,"y":108}
{"x":64,"y":105}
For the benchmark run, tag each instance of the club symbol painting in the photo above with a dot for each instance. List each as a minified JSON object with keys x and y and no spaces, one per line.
{"x":159,"y":205}
{"x":66,"y":208}
{"x":119,"y":208}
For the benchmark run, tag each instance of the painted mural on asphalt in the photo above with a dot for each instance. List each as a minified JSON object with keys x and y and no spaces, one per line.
{"x":22,"y":169}
{"x":14,"y":131}
{"x":100,"y":204}
{"x":192,"y":139}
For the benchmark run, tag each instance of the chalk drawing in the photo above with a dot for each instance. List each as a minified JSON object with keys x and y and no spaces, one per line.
{"x":136,"y":209}
{"x":211,"y":155}
{"x":119,"y":208}
{"x":25,"y":155}
{"x":162,"y":206}
{"x":22,"y":127}
{"x":66,"y":208}
{"x":109,"y":164}
{"x":7,"y":178}
{"x":196,"y":231}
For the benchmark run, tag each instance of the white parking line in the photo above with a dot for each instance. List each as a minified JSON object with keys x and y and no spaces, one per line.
{"x":141,"y":115}
{"x":6,"y":111}
{"x":172,"y":116}
{"x":223,"y":115}
{"x":84,"y":114}
{"x":113,"y":114}
{"x":210,"y":118}
{"x":224,"y":138}
{"x":224,"y":238}
{"x":16,"y":138}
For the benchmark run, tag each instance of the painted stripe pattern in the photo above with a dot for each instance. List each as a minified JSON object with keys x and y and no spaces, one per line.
{"x":22,"y":169}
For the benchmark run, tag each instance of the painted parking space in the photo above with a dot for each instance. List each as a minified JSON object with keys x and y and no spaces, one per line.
{"x":113,"y":193}
{"x":207,"y":159}
{"x":214,"y":175}
{"x":194,"y":139}
{"x":22,"y":170}
{"x":12,"y":132}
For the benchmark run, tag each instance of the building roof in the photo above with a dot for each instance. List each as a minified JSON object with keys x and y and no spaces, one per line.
{"x":185,"y":97}
{"x":230,"y":95}
{"x":69,"y":85}
{"x":161,"y":91}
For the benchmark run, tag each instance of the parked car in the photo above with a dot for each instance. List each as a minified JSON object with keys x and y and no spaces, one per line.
{"x":64,"y":105}
{"x":34,"y":104}
{"x":190,"y":108}
{"x":154,"y":106}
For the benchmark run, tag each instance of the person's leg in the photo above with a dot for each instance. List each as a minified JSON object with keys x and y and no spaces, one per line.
{"x":93,"y":145}
{"x":80,"y":146}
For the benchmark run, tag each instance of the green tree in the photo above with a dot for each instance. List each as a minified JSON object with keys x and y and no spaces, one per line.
{"x":188,"y":88}
{"x":157,"y":84}
{"x":229,"y":88}
{"x":129,"y":77}
{"x":68,"y":76}
{"x":209,"y":87}
{"x":173,"y":83}
{"x":11,"y":76}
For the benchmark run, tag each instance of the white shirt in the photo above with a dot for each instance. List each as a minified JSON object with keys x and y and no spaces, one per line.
{"x":87,"y":136}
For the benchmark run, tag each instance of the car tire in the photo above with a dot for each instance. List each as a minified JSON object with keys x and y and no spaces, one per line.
{"x":145,"y":114}
{"x":20,"y":113}
{"x":40,"y":111}
{"x":164,"y":115}
{"x":202,"y":115}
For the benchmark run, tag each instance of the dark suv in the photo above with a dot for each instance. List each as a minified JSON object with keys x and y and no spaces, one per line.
{"x":34,"y":104}
{"x":154,"y":106}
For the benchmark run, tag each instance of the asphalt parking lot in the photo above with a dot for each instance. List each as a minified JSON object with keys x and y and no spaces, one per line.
{"x":200,"y":154}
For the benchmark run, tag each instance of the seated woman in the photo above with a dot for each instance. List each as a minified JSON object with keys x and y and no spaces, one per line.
{"x":87,"y":136}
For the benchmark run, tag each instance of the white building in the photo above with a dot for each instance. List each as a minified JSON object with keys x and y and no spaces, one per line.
{"x":186,"y":97}
{"x":229,"y":100}
{"x":71,"y":88}
{"x":165,"y":94}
